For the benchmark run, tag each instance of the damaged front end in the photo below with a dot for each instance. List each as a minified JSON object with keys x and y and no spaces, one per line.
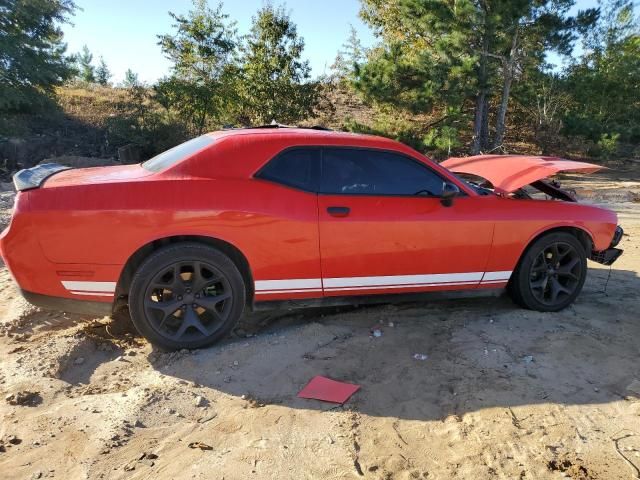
{"x":611,"y":254}
{"x":527,"y":177}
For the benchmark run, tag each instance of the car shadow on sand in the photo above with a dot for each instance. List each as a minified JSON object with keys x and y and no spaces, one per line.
{"x":480,"y":353}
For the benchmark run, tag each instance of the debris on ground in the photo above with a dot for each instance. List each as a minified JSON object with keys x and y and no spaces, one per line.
{"x":376,"y":332}
{"x":327,"y":390}
{"x":24,"y":399}
{"x":420,"y":356}
{"x":200,"y":445}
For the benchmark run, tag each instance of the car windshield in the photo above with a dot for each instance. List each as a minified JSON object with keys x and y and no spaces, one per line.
{"x":177,"y":153}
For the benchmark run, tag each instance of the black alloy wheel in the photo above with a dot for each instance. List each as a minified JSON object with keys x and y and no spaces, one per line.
{"x":550,"y":274}
{"x":555,"y":273}
{"x":186,"y":295}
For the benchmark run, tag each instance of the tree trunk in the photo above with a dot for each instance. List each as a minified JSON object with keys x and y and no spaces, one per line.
{"x":509,"y":67}
{"x":479,"y":123}
{"x":502,"y":110}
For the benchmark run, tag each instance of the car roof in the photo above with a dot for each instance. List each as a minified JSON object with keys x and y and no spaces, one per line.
{"x":283,"y":132}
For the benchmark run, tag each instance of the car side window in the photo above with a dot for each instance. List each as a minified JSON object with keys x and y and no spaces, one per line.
{"x":297,"y":168}
{"x":371,"y":172}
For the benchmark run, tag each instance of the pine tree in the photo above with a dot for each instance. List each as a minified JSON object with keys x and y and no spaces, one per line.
{"x":202,"y":81}
{"x":102,"y":73}
{"x":442,"y":55}
{"x":86,"y":70}
{"x":275,"y":80}
{"x":604,"y":82}
{"x":130,"y":79}
{"x":32,"y":51}
{"x":349,"y":56}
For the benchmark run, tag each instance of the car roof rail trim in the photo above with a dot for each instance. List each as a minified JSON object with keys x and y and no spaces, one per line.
{"x":277,"y":125}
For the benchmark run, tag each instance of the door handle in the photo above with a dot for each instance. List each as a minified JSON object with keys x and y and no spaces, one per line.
{"x":338,"y":211}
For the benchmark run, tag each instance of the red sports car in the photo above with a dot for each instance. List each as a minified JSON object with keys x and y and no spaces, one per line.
{"x":228,"y":220}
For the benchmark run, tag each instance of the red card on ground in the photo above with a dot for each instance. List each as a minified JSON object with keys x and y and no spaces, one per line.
{"x":327,"y":390}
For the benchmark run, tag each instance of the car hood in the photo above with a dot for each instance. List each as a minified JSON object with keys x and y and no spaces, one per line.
{"x":508,"y":173}
{"x":93,"y":175}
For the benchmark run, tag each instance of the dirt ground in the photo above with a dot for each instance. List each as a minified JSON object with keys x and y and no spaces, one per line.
{"x":504,"y":393}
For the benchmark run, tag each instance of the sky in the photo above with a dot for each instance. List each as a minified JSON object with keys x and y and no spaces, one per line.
{"x":124,"y":32}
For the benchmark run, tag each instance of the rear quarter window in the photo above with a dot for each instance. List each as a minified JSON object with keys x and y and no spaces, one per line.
{"x":296,"y":168}
{"x":177,"y":153}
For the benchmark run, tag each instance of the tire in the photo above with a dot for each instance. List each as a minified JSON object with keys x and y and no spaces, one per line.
{"x":551,"y":273}
{"x":186,"y":295}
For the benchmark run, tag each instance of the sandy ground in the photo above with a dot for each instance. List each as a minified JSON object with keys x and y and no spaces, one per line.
{"x":504,"y":393}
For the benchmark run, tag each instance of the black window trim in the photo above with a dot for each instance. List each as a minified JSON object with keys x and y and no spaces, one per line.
{"x":319,"y":163}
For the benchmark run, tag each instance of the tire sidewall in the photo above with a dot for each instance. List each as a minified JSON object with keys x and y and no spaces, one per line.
{"x":521,"y":285}
{"x":163,"y":258}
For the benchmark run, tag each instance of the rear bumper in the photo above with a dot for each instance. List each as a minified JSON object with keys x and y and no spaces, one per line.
{"x":70,"y":305}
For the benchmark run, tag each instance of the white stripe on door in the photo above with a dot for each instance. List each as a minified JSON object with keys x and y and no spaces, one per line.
{"x":496,"y":276}
{"x":104,"y":287}
{"x":386,"y":281}
{"x":292,"y":284}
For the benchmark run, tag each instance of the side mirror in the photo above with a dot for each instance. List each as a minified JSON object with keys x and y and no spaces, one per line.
{"x":449,"y":192}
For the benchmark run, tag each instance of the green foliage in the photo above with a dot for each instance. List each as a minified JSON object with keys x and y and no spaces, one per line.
{"x":32,"y":54}
{"x":102,"y":73}
{"x":349,"y":57}
{"x":142,"y":121}
{"x":604,"y":83}
{"x":275,"y":80}
{"x":202,"y":83}
{"x":464,"y":54}
{"x":130,"y":79}
{"x":86,"y":71}
{"x":608,"y":145}
{"x":443,"y":139}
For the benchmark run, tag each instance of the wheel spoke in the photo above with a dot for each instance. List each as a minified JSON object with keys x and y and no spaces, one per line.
{"x":170,"y":285}
{"x":567,"y":251}
{"x":210,"y":303}
{"x":557,"y":288}
{"x":165,"y":307}
{"x":540,"y":284}
{"x":540,"y":264}
{"x":192,"y":319}
{"x":568,"y":268}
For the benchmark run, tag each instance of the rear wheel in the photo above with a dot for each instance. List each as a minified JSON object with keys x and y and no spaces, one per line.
{"x":186,"y":295}
{"x":551,"y":273}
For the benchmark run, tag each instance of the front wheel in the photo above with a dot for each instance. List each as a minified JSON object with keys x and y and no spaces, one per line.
{"x":186,"y":295}
{"x":551,"y":273}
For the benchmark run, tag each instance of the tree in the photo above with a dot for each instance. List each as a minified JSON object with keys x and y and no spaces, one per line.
{"x":130,"y":79}
{"x":349,"y":56}
{"x":604,"y":84}
{"x":32,"y":53}
{"x":445,"y":55}
{"x":201,"y":84}
{"x":102,"y":73}
{"x":86,"y":70}
{"x":275,"y":80}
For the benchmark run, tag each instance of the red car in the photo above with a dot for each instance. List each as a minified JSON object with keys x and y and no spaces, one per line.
{"x":235,"y":218}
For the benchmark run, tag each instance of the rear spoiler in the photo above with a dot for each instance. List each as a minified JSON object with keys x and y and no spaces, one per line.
{"x":30,"y":178}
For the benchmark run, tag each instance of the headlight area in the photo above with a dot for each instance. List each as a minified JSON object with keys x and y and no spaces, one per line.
{"x":611,"y":254}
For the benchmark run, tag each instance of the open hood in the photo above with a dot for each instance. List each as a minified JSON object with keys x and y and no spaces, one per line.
{"x":508,"y":173}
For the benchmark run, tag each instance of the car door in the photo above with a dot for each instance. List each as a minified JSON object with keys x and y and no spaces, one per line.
{"x":383,"y":227}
